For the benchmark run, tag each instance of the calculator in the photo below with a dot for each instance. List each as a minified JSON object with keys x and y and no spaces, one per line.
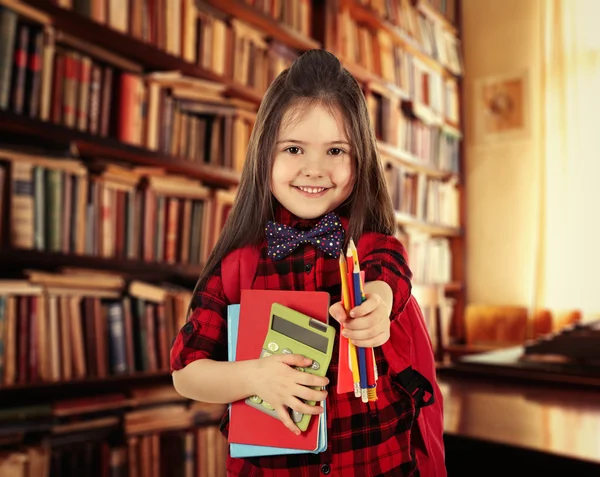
{"x":291,"y":332}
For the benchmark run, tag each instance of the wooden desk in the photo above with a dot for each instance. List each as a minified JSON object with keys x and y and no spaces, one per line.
{"x":530,"y":419}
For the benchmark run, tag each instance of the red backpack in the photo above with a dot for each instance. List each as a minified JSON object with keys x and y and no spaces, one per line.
{"x":408,"y":352}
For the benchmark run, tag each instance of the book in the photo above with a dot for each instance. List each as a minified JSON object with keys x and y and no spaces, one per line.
{"x":249,"y":450}
{"x":247,"y":424}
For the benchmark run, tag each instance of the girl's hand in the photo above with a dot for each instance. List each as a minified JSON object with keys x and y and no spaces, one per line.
{"x":283,"y":387}
{"x":368,"y":325}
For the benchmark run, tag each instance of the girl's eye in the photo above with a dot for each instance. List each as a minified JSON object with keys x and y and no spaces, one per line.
{"x":293,"y":150}
{"x":336,"y":151}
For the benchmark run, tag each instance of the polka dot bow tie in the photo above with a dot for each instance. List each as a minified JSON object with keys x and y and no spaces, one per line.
{"x":328,"y":235}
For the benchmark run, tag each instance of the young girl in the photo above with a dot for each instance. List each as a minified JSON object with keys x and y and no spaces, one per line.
{"x":312,"y":164}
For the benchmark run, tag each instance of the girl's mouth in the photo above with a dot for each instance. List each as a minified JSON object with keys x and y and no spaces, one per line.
{"x":311,"y":191}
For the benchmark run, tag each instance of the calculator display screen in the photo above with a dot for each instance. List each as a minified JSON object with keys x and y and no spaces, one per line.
{"x":300,"y":334}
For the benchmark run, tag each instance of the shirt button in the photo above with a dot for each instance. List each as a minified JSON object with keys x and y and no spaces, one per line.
{"x":188,"y":328}
{"x":325,"y":469}
{"x":307,"y":268}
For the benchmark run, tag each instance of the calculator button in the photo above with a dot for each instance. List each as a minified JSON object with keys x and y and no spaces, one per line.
{"x":268,"y":406}
{"x":286,"y":351}
{"x":256,"y":399}
{"x":299,"y":368}
{"x":272,"y":346}
{"x":264,"y":353}
{"x":296,"y":416}
{"x":315,"y":365}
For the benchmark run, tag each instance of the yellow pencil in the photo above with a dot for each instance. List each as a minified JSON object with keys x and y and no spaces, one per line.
{"x":348,"y":306}
{"x":352,"y":351}
{"x":371,"y":390}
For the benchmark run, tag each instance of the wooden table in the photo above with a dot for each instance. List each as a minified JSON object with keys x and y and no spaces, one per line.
{"x":530,"y":419}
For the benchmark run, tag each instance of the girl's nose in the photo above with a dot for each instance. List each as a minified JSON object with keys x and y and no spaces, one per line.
{"x":313,"y":167}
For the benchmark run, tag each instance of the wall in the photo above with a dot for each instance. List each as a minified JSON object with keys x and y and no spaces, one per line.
{"x":501,"y":37}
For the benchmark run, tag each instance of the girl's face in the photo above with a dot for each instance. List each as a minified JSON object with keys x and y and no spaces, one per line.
{"x":313,"y":169}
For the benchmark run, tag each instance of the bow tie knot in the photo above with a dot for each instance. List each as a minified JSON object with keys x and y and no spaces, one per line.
{"x":327,"y":235}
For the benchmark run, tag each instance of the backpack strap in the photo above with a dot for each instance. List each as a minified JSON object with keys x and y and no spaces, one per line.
{"x":417,"y":385}
{"x":238,"y":270}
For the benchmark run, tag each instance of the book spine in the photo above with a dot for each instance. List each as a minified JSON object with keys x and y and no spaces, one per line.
{"x":116,"y":328}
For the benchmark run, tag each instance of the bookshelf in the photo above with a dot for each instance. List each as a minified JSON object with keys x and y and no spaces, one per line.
{"x":407,"y":57}
{"x":117,"y":134}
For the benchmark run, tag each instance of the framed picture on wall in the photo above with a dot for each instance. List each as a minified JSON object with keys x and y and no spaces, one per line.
{"x":502,"y":108}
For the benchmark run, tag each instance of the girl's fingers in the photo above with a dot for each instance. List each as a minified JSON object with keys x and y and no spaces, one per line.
{"x":303,"y":408}
{"x":338,"y":312}
{"x":362,"y":323}
{"x":373,"y":342}
{"x":370,"y":304}
{"x":307,"y":379}
{"x":360,"y":335}
{"x":285,"y":417}
{"x":309,"y":394}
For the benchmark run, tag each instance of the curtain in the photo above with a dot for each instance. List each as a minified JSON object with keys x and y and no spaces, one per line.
{"x":568,"y":265}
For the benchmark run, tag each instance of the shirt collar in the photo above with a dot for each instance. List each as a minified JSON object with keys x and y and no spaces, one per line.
{"x":285,"y":217}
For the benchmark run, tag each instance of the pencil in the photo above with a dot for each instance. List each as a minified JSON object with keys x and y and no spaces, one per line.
{"x":346,"y":297}
{"x":370,"y":385}
{"x":352,"y":351}
{"x":371,"y":363}
{"x":358,"y":299}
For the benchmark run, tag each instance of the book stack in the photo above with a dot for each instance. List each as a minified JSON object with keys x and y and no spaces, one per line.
{"x":255,"y":330}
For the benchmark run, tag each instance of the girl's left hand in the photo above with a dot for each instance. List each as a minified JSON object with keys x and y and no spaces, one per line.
{"x":368,"y":325}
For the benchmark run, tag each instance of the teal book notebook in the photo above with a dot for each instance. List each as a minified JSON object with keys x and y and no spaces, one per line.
{"x":247,"y":450}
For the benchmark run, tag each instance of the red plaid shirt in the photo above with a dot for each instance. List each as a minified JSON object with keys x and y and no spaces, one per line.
{"x":370,"y":440}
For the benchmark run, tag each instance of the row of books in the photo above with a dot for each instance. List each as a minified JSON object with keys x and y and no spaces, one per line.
{"x":184,"y":117}
{"x":433,"y":92}
{"x":425,"y":198}
{"x":430,"y":258}
{"x":50,"y":76}
{"x":295,"y":14}
{"x":174,"y":26}
{"x":150,"y":430}
{"x":433,"y":145}
{"x":199,"y":452}
{"x":433,"y":37}
{"x":447,"y":8}
{"x":80,"y":324}
{"x":103,"y":209}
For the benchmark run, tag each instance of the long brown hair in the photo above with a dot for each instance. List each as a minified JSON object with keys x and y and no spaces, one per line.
{"x":316,"y":76}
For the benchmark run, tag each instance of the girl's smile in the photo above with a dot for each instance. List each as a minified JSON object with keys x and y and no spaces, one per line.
{"x":313,"y":170}
{"x":311,"y":191}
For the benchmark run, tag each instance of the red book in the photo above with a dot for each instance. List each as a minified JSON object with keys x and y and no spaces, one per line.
{"x":249,"y":425}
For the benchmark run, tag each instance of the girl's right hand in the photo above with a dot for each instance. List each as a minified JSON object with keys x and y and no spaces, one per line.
{"x":282,"y":386}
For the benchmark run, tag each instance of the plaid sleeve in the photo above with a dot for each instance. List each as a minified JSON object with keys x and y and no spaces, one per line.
{"x":386,"y":260}
{"x":204,"y":335}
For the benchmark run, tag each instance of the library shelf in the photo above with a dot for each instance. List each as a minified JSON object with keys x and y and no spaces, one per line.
{"x":363,"y":75}
{"x":402,"y":157}
{"x":90,"y":146}
{"x":25,"y":393}
{"x":271,"y":27}
{"x":367,"y":16}
{"x":435,"y":230}
{"x":428,"y":10}
{"x":137,"y":269}
{"x":134,"y":49}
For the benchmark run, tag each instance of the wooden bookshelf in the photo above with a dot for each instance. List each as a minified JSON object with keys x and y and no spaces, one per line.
{"x":272,"y":28}
{"x":422,"y":45}
{"x":429,"y":10}
{"x":29,"y":393}
{"x":136,"y":51}
{"x":87,"y":146}
{"x":146,"y":55}
{"x":151,"y":271}
{"x":427,"y":227}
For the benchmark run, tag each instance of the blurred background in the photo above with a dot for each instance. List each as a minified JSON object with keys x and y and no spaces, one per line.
{"x":123,"y":130}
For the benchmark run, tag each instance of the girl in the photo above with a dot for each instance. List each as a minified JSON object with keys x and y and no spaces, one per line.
{"x":312,"y":158}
